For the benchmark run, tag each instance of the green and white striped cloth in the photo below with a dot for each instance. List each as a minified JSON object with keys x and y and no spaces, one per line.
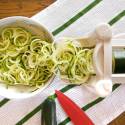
{"x":72,"y":18}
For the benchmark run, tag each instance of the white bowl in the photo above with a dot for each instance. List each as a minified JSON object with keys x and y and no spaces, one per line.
{"x":16,"y":92}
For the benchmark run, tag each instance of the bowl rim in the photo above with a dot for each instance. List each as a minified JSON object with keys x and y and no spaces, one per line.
{"x":12,"y":19}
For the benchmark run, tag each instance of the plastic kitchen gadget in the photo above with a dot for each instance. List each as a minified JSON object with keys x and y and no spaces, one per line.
{"x":104,"y":43}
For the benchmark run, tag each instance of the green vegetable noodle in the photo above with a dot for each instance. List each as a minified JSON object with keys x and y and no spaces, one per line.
{"x":75,"y":64}
{"x":25,"y":59}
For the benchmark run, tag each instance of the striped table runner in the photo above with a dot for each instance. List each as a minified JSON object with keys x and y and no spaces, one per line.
{"x":72,"y":18}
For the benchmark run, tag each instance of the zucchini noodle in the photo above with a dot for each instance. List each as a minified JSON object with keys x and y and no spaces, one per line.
{"x":74,"y":63}
{"x":25,"y":59}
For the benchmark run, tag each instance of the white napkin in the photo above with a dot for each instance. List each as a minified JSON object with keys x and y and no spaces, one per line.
{"x":72,"y":18}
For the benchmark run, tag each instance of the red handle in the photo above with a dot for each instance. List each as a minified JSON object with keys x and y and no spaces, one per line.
{"x":76,"y":114}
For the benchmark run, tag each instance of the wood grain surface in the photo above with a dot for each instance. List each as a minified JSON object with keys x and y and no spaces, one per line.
{"x":22,"y":7}
{"x":29,"y":8}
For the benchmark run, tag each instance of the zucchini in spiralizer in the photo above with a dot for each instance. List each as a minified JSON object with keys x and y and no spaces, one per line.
{"x":48,"y":115}
{"x":119,"y":60}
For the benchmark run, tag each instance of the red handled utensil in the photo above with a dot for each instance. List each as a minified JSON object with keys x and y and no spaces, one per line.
{"x":75,"y":113}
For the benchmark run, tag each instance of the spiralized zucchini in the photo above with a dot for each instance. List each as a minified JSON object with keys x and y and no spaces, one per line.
{"x":74,"y":63}
{"x":25,"y":59}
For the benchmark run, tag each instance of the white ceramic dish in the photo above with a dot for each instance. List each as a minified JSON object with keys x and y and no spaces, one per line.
{"x":16,"y":91}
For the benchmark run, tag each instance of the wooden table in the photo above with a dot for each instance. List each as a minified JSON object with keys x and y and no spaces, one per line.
{"x":26,"y":8}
